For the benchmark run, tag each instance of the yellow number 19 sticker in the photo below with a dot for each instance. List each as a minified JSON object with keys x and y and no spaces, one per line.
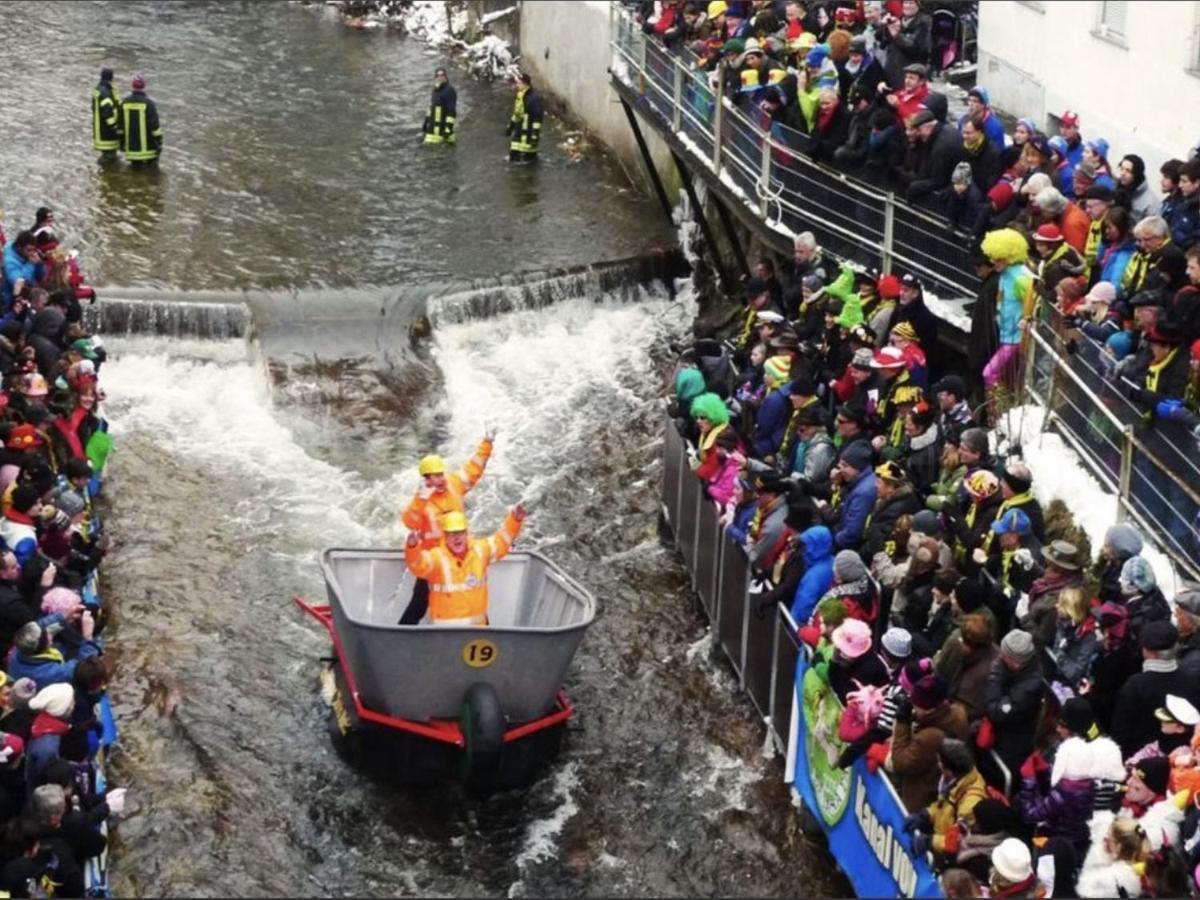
{"x":479,"y":654}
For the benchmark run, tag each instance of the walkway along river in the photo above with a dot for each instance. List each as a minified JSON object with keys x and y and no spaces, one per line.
{"x":291,"y":170}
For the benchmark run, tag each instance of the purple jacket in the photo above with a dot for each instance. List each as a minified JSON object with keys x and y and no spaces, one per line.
{"x":1064,"y":809}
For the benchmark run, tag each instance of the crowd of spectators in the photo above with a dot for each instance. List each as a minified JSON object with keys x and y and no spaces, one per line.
{"x":1064,"y":232}
{"x":1035,"y":704}
{"x":53,"y":446}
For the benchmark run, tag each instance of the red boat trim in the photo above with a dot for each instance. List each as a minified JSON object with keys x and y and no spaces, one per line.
{"x":444,"y":730}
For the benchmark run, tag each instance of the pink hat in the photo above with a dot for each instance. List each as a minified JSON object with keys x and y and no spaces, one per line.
{"x":1048,"y":234}
{"x":59,"y":600}
{"x":1102,"y":292}
{"x":1069,"y":118}
{"x":852,"y":638}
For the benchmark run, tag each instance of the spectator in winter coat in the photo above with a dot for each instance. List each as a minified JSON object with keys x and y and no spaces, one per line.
{"x":1054,"y":208}
{"x":906,"y":40}
{"x":720,"y":488}
{"x":23,"y":268}
{"x":894,"y":498}
{"x":34,"y":656}
{"x":1121,"y":542}
{"x":1168,"y":373}
{"x":771,"y":421}
{"x":1076,"y":644}
{"x":1143,"y":600}
{"x":966,"y":658}
{"x":924,"y":448}
{"x":831,"y":128}
{"x":964,"y":202}
{"x":935,"y":149}
{"x":1133,"y":721}
{"x":980,"y":152}
{"x":1120,"y":658}
{"x":814,"y":454}
{"x":960,"y":790}
{"x":1014,"y":698}
{"x":1062,"y":574}
{"x":1117,"y":853}
{"x":954,"y":412}
{"x":854,"y":586}
{"x":767,"y":532}
{"x":1183,"y":213}
{"x":921,"y":727}
{"x":53,"y":705}
{"x":854,"y":662}
{"x":1057,"y":262}
{"x":854,"y":486}
{"x":1155,"y":251}
{"x":1134,"y":191}
{"x":1060,"y":797}
{"x":818,"y":573}
{"x":1116,"y":248}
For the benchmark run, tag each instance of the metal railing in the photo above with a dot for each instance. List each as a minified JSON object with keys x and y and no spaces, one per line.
{"x":1149,"y":464}
{"x":765,"y":163}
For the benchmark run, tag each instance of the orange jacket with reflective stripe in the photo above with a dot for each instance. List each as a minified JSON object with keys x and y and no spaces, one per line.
{"x":458,"y":584}
{"x":425,"y":514}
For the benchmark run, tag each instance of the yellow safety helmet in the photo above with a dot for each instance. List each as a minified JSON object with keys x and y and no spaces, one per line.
{"x":432,"y":465}
{"x":454,"y":521}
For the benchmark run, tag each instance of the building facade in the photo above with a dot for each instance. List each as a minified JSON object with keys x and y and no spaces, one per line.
{"x":1131,"y":70}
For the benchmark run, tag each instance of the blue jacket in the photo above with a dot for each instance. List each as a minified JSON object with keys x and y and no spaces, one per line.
{"x":16,"y":266}
{"x":1114,"y":269}
{"x":742,"y":517}
{"x":855,"y":510}
{"x":818,"y":572}
{"x":39,"y":753}
{"x":1185,"y":222}
{"x":46,"y":670}
{"x":771,"y":421}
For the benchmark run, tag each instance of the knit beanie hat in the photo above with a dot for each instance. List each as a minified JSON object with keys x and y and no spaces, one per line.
{"x":1018,"y":646}
{"x":848,"y":566}
{"x":897,"y":642}
{"x":1013,"y":861}
{"x":1154,"y":773}
{"x":23,"y":690}
{"x":923,"y":685}
{"x":56,"y":699}
{"x":961,"y":174}
{"x":926,"y":522}
{"x":777,"y":367}
{"x":1137,"y":576}
{"x":1124,"y":539}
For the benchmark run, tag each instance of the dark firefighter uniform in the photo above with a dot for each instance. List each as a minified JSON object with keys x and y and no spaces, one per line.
{"x":142,"y":133}
{"x":106,"y":116}
{"x":525,"y":127}
{"x":442,"y":115}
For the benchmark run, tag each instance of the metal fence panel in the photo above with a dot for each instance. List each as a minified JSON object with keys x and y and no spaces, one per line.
{"x":689,"y":515}
{"x":735,"y":580}
{"x":675,"y":468}
{"x":787,"y":651}
{"x":709,"y":551}
{"x":760,"y":654}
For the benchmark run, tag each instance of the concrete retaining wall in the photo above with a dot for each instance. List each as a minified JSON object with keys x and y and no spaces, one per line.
{"x":564,"y":46}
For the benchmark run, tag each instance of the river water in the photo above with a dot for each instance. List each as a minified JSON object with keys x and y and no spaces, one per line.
{"x":292,"y":172}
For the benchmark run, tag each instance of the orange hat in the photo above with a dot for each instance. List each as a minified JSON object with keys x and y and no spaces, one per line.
{"x":22,"y":437}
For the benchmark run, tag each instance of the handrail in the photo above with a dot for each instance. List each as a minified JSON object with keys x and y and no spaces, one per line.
{"x":653,"y":71}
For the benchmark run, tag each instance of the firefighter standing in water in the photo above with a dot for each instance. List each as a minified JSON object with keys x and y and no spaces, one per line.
{"x":438,"y":495}
{"x":106,"y":118}
{"x":457,"y":568}
{"x":442,"y":117}
{"x":141,"y":139}
{"x":525,"y":126}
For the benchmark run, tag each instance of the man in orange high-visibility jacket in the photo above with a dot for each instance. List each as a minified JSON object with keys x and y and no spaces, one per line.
{"x":438,"y":495}
{"x":457,"y":569}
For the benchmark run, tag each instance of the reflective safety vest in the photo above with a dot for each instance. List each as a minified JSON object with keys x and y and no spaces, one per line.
{"x":458,"y":593}
{"x":525,"y":128}
{"x":106,"y":118}
{"x":442,"y":116}
{"x":141,"y":132}
{"x":425,"y":513}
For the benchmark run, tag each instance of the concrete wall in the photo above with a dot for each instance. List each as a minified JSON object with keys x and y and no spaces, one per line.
{"x":564,"y":46}
{"x":1138,"y":88}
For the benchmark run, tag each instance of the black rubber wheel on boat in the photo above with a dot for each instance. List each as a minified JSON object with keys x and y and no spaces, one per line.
{"x":481,"y":718}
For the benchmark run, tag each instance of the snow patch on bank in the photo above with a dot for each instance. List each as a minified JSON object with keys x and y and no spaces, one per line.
{"x":1059,"y":474}
{"x":541,"y":837}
